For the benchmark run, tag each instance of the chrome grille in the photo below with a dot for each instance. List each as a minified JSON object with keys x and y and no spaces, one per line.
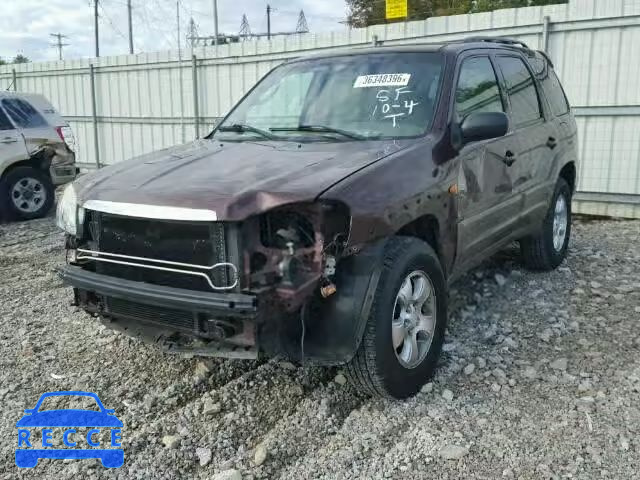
{"x":158,"y":242}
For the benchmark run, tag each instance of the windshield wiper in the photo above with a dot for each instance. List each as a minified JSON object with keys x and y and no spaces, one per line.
{"x":321,"y":129}
{"x":241,"y":128}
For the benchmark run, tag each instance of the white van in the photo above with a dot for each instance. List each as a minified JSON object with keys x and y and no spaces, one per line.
{"x":36,"y":154}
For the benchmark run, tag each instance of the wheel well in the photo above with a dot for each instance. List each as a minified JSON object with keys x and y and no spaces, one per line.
{"x":425,"y":228}
{"x":33,"y":162}
{"x":568,"y":172}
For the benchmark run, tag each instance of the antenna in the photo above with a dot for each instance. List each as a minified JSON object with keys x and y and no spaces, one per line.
{"x":59,"y":43}
{"x":245,"y":29}
{"x":302,"y":26}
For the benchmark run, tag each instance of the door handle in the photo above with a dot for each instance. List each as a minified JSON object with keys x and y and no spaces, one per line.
{"x":509,"y":158}
{"x":552,"y":143}
{"x":9,"y":140}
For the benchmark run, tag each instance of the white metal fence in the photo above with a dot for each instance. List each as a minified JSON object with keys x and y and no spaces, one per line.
{"x":127,"y":105}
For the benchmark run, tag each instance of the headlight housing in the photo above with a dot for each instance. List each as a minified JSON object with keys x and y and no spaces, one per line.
{"x":69,"y":216}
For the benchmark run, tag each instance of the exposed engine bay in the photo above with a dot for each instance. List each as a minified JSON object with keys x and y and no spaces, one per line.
{"x":295,"y":249}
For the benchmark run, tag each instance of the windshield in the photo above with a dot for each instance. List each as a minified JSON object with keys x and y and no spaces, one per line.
{"x":357,"y":97}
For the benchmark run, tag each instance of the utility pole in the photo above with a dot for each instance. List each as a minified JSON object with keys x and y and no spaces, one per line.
{"x":95,"y":26}
{"x":181,"y":77}
{"x":215,"y":22}
{"x":130,"y":27}
{"x":59,"y":43}
{"x":268,"y":22}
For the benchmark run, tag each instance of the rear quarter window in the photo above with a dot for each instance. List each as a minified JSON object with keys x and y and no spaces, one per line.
{"x":554,"y":92}
{"x":23,"y":114}
{"x":5,"y":123}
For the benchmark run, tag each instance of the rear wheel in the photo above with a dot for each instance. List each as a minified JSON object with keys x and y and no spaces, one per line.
{"x":406,"y":325}
{"x":548,"y":249}
{"x":26,"y":193}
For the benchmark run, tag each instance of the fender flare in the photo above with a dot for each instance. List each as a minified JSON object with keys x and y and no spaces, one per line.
{"x":334,"y":335}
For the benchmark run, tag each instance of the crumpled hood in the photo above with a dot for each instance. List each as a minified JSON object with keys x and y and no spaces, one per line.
{"x":235,"y":180}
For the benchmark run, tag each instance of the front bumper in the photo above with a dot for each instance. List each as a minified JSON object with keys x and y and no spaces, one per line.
{"x":178,"y":320}
{"x":227,"y":304}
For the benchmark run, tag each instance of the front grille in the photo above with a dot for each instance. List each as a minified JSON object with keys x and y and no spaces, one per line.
{"x":175,"y":319}
{"x":183,"y":242}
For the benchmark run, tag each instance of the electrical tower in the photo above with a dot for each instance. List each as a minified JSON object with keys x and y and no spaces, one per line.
{"x":193,"y":33}
{"x":59,"y":43}
{"x":245,"y":29}
{"x":302,"y":26}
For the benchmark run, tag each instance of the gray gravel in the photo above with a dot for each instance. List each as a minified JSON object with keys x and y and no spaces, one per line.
{"x":540,"y":379}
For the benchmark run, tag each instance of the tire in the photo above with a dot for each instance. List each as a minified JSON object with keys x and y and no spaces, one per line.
{"x":539,"y":252}
{"x":377,"y":368}
{"x":37,"y":194}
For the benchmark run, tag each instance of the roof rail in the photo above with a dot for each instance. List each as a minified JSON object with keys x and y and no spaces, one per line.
{"x":502,"y":40}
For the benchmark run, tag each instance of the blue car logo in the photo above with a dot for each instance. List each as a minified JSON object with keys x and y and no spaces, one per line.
{"x":69,"y":419}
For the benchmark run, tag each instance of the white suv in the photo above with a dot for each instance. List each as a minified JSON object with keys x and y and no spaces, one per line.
{"x":36,"y":154}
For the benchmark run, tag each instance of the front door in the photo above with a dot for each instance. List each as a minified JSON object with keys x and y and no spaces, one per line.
{"x":488,"y":202}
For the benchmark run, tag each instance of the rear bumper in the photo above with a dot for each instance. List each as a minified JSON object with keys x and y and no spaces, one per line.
{"x":63,"y":168}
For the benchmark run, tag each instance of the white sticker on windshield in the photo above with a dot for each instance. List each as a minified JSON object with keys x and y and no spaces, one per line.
{"x":383,"y":80}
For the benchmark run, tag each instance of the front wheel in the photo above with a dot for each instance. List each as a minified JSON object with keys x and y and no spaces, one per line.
{"x":405,"y":328}
{"x":548,"y":249}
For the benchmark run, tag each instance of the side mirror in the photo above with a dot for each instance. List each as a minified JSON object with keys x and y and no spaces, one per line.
{"x":484,"y":126}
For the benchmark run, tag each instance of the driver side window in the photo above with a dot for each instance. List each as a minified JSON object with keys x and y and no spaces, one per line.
{"x":477,"y":89}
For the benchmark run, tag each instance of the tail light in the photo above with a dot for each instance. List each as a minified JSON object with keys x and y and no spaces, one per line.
{"x":66,"y":135}
{"x":60,"y":134}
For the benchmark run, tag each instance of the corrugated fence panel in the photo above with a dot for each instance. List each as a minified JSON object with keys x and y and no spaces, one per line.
{"x":146,"y":101}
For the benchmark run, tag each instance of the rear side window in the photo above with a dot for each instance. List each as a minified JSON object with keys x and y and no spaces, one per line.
{"x":477,"y":89}
{"x":555,"y":94}
{"x":525,"y":105}
{"x":23,"y":114}
{"x":5,"y":123}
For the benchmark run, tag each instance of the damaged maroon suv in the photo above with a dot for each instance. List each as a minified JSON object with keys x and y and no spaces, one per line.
{"x":324,"y":218}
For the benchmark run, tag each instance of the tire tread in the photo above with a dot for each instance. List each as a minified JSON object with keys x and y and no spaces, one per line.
{"x":362,"y":371}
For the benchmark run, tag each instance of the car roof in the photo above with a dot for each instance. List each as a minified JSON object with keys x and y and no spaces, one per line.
{"x":453,"y":47}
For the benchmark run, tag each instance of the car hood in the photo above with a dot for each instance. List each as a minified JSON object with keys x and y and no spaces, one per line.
{"x":233,"y":179}
{"x":69,"y":418}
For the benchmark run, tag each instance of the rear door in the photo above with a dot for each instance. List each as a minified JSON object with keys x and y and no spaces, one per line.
{"x":12,"y":147}
{"x":535,"y":137}
{"x":488,"y":201}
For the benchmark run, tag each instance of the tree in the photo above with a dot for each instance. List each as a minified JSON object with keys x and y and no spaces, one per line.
{"x":363,"y":13}
{"x":21,"y":59}
{"x":3,"y":61}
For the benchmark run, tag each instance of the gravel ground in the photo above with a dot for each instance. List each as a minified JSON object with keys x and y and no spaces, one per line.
{"x":540,"y":379}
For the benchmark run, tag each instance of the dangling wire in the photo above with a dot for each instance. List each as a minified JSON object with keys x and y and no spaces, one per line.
{"x":304,"y":327}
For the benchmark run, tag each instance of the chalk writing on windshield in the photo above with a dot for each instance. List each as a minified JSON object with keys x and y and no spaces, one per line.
{"x":394,"y":104}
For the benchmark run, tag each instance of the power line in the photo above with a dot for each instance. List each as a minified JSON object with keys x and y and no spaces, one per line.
{"x":110,"y":22}
{"x":59,"y":44}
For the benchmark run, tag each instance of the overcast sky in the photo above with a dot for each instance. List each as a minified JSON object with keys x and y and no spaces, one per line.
{"x":25,"y":25}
